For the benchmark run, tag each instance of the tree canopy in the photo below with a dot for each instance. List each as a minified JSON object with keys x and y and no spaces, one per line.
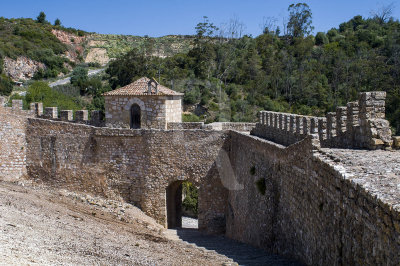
{"x":232,"y":79}
{"x":41,"y":18}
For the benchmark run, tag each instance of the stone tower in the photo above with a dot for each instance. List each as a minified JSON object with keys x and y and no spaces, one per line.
{"x":143,"y":104}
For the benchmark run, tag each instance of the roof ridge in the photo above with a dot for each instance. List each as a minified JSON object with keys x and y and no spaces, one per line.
{"x":140,"y":87}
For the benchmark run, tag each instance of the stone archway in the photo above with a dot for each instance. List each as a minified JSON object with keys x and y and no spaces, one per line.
{"x":174,"y":205}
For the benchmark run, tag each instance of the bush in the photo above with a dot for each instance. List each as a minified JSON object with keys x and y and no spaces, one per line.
{"x":190,"y":118}
{"x":41,"y":92}
{"x":190,"y":203}
{"x":321,"y":39}
{"x":6,"y":85}
{"x":79,"y":79}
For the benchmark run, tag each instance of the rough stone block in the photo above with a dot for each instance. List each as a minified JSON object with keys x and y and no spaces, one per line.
{"x":81,"y":116}
{"x":396,"y":142}
{"x":2,"y":101}
{"x":17,"y":104}
{"x":38,"y":109}
{"x":66,"y":115}
{"x":51,"y":113}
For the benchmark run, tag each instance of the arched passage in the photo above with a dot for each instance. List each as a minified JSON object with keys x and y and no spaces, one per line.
{"x":182,"y":200}
{"x":174,"y":204}
{"x":135,"y":116}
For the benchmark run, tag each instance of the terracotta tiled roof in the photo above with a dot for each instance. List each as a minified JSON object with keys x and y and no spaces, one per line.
{"x":140,"y":87}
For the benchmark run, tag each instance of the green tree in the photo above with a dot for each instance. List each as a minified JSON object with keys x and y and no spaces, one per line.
{"x":205,"y":28}
{"x":57,"y":22}
{"x":321,"y":39}
{"x":40,"y":91}
{"x":41,"y":18}
{"x":79,"y":78}
{"x":6,"y":85}
{"x":300,"y":20}
{"x":128,"y":67}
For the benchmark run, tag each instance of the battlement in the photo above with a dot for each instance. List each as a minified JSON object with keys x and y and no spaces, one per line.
{"x":360,"y":124}
{"x":36,"y":110}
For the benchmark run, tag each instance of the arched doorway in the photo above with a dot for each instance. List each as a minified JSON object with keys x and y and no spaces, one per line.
{"x":135,"y":116}
{"x":182,"y":200}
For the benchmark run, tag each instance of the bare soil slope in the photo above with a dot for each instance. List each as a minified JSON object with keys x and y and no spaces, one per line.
{"x":39,"y":225}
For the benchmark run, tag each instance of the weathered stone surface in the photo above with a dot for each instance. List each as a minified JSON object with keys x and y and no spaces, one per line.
{"x":318,"y":205}
{"x":156,"y":111}
{"x":22,"y":68}
{"x":396,"y":141}
{"x":358,"y":125}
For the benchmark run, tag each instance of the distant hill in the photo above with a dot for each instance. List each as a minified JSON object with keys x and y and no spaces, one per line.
{"x":29,"y":49}
{"x":103,"y":47}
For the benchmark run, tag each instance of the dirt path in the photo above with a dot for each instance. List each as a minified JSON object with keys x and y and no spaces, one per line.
{"x":43,"y":226}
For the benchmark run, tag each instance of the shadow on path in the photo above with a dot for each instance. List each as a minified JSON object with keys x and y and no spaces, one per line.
{"x":240,"y":253}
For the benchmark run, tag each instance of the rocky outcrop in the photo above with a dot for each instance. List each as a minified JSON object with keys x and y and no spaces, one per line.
{"x":21,"y":69}
{"x":74,"y":43}
{"x":68,"y":38}
{"x":97,"y":55}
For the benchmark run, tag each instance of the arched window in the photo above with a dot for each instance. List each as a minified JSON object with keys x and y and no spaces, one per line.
{"x":135,"y":116}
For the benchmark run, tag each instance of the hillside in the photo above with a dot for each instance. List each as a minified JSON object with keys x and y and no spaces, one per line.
{"x":102,"y":47}
{"x":29,"y":49}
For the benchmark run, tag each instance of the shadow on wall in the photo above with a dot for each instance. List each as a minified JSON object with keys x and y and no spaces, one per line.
{"x":243,"y":254}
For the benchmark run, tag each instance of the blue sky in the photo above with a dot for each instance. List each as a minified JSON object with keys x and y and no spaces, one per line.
{"x":163,"y":17}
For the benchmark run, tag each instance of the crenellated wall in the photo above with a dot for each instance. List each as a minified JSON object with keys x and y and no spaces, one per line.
{"x":288,"y":194}
{"x":310,"y":207}
{"x":360,"y":124}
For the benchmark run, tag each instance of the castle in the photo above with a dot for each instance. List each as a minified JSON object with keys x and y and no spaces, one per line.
{"x":322,"y":190}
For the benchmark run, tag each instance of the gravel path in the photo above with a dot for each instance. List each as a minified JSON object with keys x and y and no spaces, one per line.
{"x":188,"y":222}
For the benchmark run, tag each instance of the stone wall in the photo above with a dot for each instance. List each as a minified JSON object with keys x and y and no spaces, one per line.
{"x":311,"y":210}
{"x":186,"y":125}
{"x":12,"y":140}
{"x":238,"y":126}
{"x":156,"y":111}
{"x":132,"y":165}
{"x":173,"y":108}
{"x":360,"y":124}
{"x":297,"y":201}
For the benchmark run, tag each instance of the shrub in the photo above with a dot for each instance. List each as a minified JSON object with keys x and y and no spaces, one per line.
{"x":190,"y":203}
{"x":41,"y":92}
{"x":190,"y":118}
{"x":79,"y":78}
{"x":321,"y":39}
{"x":6,"y":85}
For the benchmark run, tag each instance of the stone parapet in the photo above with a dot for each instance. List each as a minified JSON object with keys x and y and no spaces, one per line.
{"x":359,"y":124}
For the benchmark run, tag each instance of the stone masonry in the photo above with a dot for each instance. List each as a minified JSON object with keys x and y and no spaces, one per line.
{"x":361,"y":124}
{"x":285,"y":190}
{"x":158,"y":105}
